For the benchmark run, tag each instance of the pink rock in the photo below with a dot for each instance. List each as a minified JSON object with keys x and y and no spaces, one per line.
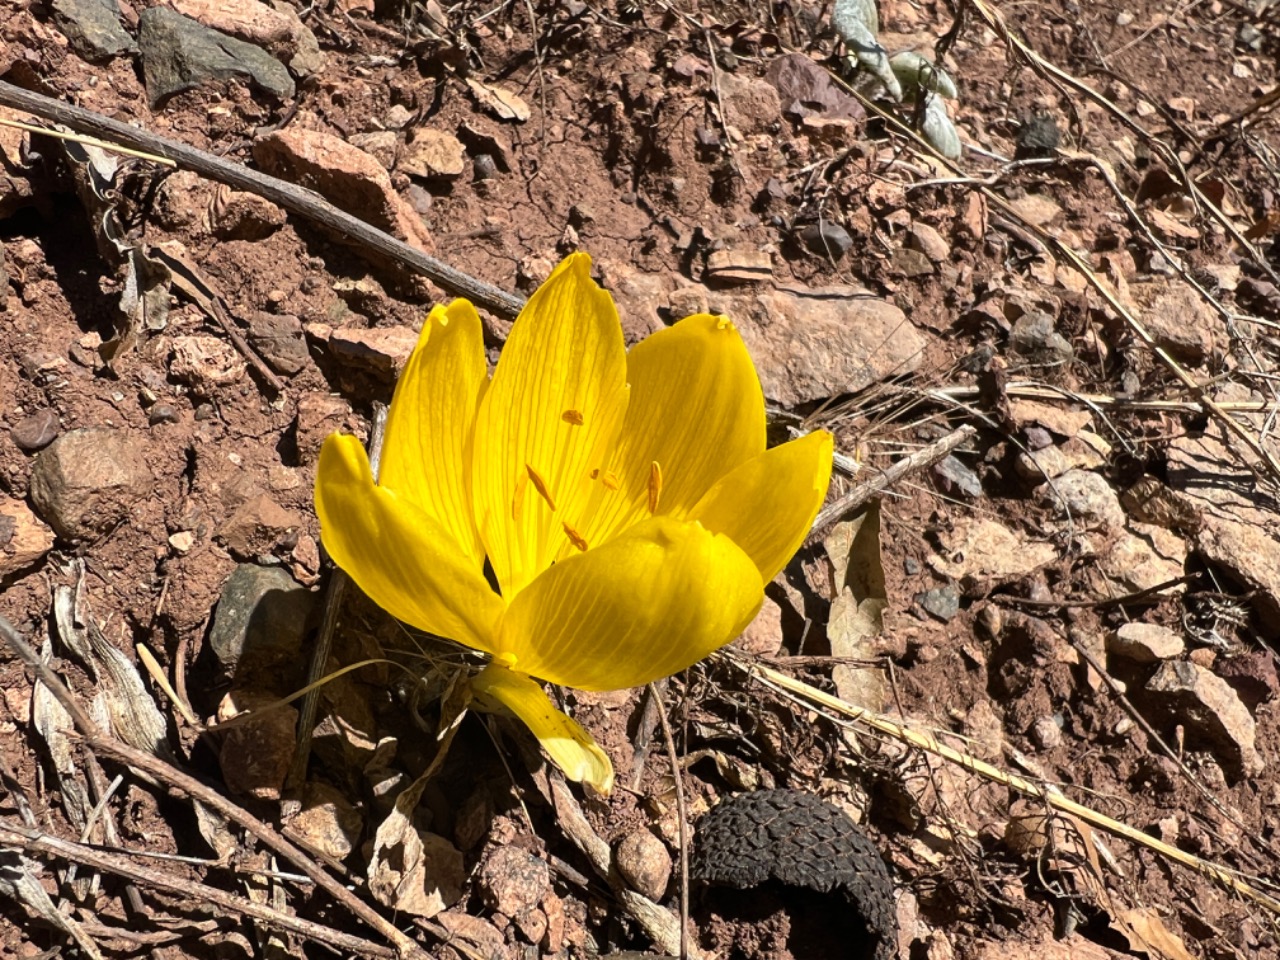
{"x":346,"y":176}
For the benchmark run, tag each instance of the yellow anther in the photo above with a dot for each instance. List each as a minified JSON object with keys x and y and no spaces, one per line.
{"x":610,"y":480}
{"x":655,"y":486}
{"x":575,"y":537}
{"x":541,"y":486}
{"x":506,"y":659}
{"x":724,"y":323}
{"x":572,"y":416}
{"x":517,"y":501}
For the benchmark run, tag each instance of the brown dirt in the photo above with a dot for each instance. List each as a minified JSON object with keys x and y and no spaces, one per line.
{"x":611,"y":156}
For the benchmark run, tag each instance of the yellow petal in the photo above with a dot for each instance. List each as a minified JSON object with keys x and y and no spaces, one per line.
{"x":767,"y":505}
{"x":644,"y":605}
{"x":427,"y":450}
{"x":696,"y":411}
{"x":569,"y":746}
{"x":550,"y":415}
{"x":404,"y":560}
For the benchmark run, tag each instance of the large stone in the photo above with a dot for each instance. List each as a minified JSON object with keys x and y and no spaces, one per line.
{"x":250,"y":20}
{"x":178,"y":54}
{"x":278,"y":337}
{"x":1084,"y":497}
{"x":257,"y":526}
{"x":260,"y":622}
{"x":382,"y":351}
{"x":1209,"y":710}
{"x":1145,"y":643}
{"x":813,"y":343}
{"x":343,"y":174}
{"x":23,"y":538}
{"x":93,"y":28}
{"x":86,"y":481}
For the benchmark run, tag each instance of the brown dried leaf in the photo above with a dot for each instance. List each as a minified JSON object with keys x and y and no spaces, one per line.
{"x":1145,"y":931}
{"x":502,"y":103}
{"x":857,"y":613}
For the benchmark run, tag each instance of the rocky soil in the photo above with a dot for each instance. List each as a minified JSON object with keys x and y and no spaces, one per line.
{"x":1074,"y":602}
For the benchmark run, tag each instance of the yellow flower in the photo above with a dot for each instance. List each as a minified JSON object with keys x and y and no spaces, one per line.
{"x":625,"y":502}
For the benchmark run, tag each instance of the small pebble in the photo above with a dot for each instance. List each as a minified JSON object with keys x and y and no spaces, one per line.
{"x":644,"y":862}
{"x":162,"y":413}
{"x":941,"y":602}
{"x":205,"y":411}
{"x":36,"y":431}
{"x":827,"y":239}
{"x":1046,"y":733}
{"x":484,"y":166}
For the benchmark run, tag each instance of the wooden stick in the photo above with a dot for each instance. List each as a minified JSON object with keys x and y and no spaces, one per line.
{"x":293,"y":198}
{"x":199,"y":894}
{"x":169,"y":775}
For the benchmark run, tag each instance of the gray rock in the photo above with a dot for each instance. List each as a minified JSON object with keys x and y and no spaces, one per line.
{"x":93,"y":28}
{"x":827,"y":239}
{"x":1086,"y":497}
{"x":814,"y":343}
{"x":260,"y":622}
{"x":941,"y":602}
{"x":955,"y":476}
{"x":178,"y":53}
{"x":1210,"y":710}
{"x":85,"y":481}
{"x":1145,"y":643}
{"x":1035,"y":338}
{"x":36,"y":431}
{"x":163,"y":413}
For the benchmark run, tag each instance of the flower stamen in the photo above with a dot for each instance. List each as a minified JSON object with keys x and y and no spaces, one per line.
{"x":655,"y":486}
{"x":577,"y":539}
{"x":574,"y":417}
{"x":541,"y":486}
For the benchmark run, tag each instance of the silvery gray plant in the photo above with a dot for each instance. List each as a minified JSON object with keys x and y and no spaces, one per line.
{"x":906,"y":77}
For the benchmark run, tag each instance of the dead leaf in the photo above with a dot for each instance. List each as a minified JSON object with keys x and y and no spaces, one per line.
{"x":411,"y":870}
{"x":1145,"y":931}
{"x":1264,"y":226}
{"x":857,"y":613}
{"x":501,"y":102}
{"x":1171,"y":226}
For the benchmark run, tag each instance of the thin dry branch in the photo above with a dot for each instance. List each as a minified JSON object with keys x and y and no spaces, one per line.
{"x":163,"y":772}
{"x":199,"y":894}
{"x":924,"y":457}
{"x":923,"y":740}
{"x":293,"y":198}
